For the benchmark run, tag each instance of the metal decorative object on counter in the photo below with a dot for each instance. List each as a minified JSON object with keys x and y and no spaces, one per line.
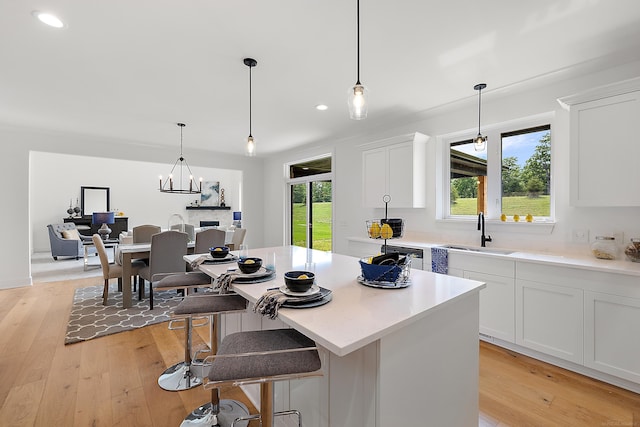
{"x":385,"y":228}
{"x":385,"y":271}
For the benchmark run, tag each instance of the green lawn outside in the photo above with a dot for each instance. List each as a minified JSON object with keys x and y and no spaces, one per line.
{"x":321,"y":225}
{"x":521,"y":205}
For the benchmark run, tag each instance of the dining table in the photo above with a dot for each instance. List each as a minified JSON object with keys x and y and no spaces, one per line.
{"x":405,"y":355}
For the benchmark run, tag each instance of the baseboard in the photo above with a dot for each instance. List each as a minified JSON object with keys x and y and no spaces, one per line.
{"x":16,"y":282}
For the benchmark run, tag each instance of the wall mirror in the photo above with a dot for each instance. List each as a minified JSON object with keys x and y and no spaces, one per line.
{"x":94,"y":199}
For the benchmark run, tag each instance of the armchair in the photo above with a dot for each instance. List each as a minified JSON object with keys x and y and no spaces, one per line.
{"x":65,"y":240}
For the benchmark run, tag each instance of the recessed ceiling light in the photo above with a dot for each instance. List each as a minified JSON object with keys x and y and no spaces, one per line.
{"x":49,"y":19}
{"x":321,"y":107}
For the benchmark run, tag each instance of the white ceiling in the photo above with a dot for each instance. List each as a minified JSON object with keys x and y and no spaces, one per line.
{"x":131,"y":69}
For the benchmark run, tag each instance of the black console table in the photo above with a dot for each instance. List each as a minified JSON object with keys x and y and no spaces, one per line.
{"x":86,"y":228}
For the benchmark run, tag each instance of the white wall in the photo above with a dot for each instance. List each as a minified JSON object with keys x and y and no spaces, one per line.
{"x":18,"y":143}
{"x":498,"y":107}
{"x":133,"y":190}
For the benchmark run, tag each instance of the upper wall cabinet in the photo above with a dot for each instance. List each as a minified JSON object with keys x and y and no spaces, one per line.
{"x":397,"y":167}
{"x":604,"y":149}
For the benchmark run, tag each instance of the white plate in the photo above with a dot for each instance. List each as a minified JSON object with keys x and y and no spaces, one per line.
{"x":314,"y":289}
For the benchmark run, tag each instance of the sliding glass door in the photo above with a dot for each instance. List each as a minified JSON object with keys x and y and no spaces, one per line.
{"x":311,"y":214}
{"x":311,"y":204}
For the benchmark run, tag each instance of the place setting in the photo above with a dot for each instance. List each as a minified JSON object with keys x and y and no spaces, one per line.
{"x":249,"y":270}
{"x":300,"y":290}
{"x":216,"y":255}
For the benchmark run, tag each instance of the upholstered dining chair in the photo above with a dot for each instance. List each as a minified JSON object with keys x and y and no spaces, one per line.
{"x":165,"y":257}
{"x":143,"y":233}
{"x":210,"y":238}
{"x":111,"y":271}
{"x":186,"y":228}
{"x":206,"y":239}
{"x":237,"y":239}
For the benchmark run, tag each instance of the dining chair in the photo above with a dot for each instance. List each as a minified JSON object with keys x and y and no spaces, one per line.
{"x":206,"y":239}
{"x":165,"y":258}
{"x":210,"y":238}
{"x":185,"y":228}
{"x":237,"y":239}
{"x":143,"y":233}
{"x":111,"y":271}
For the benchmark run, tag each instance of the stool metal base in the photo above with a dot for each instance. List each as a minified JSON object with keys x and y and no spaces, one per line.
{"x":179,"y":377}
{"x":229,"y":410}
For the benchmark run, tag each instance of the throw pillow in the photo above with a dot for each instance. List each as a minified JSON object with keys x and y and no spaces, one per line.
{"x":70,"y":234}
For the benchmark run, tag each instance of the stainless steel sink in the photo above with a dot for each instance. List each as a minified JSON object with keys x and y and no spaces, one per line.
{"x":476,"y":249}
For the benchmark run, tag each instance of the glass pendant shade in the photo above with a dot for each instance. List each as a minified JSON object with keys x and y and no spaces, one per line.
{"x":251,"y":146}
{"x":357,"y":99}
{"x":479,"y":142}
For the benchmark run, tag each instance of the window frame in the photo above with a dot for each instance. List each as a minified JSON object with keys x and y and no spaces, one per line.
{"x":494,"y":133}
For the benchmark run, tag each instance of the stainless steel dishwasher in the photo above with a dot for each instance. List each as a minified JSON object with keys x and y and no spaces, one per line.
{"x":417,"y":254}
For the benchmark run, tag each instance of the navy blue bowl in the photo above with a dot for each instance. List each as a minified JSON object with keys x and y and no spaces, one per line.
{"x":219,"y":251}
{"x":296,"y":284}
{"x":251,"y":267}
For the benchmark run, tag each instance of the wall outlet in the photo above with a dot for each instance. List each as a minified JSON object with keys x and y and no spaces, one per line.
{"x":580,"y":235}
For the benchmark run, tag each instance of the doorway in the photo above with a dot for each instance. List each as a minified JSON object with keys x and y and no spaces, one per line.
{"x":311,"y":204}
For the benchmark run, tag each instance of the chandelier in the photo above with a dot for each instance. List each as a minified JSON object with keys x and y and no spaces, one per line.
{"x":169,"y":186}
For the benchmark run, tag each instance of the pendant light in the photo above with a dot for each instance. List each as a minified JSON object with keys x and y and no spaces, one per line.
{"x":357,"y":95}
{"x":251,"y":143}
{"x":479,"y":142}
{"x":168,"y":186}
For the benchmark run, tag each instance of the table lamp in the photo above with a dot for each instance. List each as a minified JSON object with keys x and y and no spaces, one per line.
{"x":237,"y":219}
{"x":104,"y":218}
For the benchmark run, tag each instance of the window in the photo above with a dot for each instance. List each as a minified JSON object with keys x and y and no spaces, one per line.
{"x":526,"y":172}
{"x":512,"y":177}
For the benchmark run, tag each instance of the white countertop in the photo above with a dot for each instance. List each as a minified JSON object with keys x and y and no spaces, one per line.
{"x":358,"y":315}
{"x":582,"y":261}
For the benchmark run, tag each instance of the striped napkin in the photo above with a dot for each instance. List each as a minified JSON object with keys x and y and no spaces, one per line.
{"x":269,"y":303}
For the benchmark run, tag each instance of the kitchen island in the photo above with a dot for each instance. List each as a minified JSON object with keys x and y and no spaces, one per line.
{"x":390,"y":356}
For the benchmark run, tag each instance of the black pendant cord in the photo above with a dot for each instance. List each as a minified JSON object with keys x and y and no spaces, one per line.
{"x":358,"y":39}
{"x":250,"y":101}
{"x":479,"y":107}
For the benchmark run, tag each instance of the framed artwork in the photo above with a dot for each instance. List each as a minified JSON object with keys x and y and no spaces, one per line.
{"x":210,"y":195}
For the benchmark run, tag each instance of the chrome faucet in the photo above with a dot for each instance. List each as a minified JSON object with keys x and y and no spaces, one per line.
{"x":483,"y":239}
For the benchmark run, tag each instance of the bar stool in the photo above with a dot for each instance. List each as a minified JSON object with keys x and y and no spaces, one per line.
{"x":188,"y":373}
{"x":257,"y":357}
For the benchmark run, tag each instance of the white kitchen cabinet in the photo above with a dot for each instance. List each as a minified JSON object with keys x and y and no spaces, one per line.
{"x":549,"y":319}
{"x":612,"y":328}
{"x":497,"y":299}
{"x":397,"y":169}
{"x":603,"y":127}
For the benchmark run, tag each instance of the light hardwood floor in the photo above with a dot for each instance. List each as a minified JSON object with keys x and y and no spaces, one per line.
{"x":111,"y":381}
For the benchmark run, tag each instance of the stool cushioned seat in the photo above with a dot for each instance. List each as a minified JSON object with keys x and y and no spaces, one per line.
{"x":268,"y":365}
{"x":183,"y":280}
{"x":210,"y":304}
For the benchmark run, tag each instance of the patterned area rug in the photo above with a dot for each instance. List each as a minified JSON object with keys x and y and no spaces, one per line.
{"x":90,"y":319}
